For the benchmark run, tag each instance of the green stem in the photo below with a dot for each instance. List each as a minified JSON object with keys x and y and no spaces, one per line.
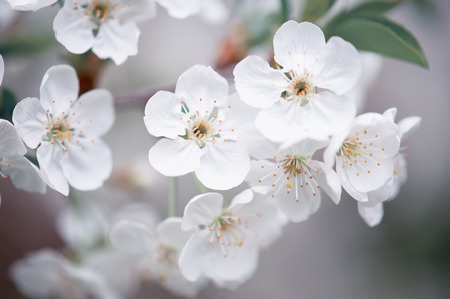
{"x":284,"y":10}
{"x":199,"y":185}
{"x":173,"y":196}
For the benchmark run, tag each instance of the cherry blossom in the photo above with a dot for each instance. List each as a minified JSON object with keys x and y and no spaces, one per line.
{"x":65,"y":130}
{"x":30,"y":4}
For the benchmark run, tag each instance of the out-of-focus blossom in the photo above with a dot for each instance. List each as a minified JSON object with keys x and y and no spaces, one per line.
{"x":13,"y":164}
{"x":7,"y":14}
{"x":48,"y":274}
{"x":201,"y":132}
{"x":226,"y":247}
{"x":305,"y":96}
{"x":372,"y":211}
{"x":364,"y":155}
{"x":30,"y":4}
{"x":212,"y":11}
{"x":107,"y":26}
{"x":156,"y":252}
{"x":294,"y":178}
{"x":66,"y":131}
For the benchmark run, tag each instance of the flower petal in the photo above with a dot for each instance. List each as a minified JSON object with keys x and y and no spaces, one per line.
{"x":199,"y":87}
{"x":175,"y":157}
{"x":371,"y":215}
{"x":169,"y":233}
{"x":49,"y":157}
{"x":23,"y":174}
{"x":328,"y":181}
{"x":59,"y":89}
{"x":132,"y":238}
{"x":93,"y":113}
{"x":257,"y":83}
{"x":223,"y":166}
{"x":181,"y":9}
{"x":162,"y":115}
{"x":342,"y":67}
{"x":73,"y":29}
{"x":30,"y":4}
{"x":299,"y":46}
{"x":116,"y":40}
{"x":408,"y":126}
{"x":201,"y":210}
{"x":301,"y":210}
{"x":10,"y":144}
{"x":87,"y":163}
{"x":30,"y":121}
{"x":2,"y":69}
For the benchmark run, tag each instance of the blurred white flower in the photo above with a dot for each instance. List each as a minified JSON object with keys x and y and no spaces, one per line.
{"x":30,"y":4}
{"x":364,"y":155}
{"x":13,"y":164}
{"x":212,"y":11}
{"x":156,"y":252}
{"x":107,"y":26}
{"x":200,"y":130}
{"x":2,"y":69}
{"x":7,"y":15}
{"x":305,"y":96}
{"x":226,"y":247}
{"x":67,"y":130}
{"x":294,"y":178}
{"x":48,"y":274}
{"x":372,"y":211}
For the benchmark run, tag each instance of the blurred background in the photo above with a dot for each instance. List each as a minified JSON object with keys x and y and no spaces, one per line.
{"x":332,"y":255}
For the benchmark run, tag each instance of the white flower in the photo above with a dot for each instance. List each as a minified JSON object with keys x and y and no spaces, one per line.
{"x":213,"y":11}
{"x":295,"y":179}
{"x":7,"y":16}
{"x":156,"y":252}
{"x":200,"y":130}
{"x":225,"y":249}
{"x":364,"y":155}
{"x":30,"y":4}
{"x":305,"y":96}
{"x":67,"y":130}
{"x":48,"y":274}
{"x":13,"y":165}
{"x":372,"y":211}
{"x":2,"y":69}
{"x":107,"y":26}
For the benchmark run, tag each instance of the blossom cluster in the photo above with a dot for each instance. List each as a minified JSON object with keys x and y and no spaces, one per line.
{"x":286,"y":132}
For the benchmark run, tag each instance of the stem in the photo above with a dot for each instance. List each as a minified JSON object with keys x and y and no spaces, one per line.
{"x":173,"y":196}
{"x":61,"y":3}
{"x":199,"y":185}
{"x":284,"y":10}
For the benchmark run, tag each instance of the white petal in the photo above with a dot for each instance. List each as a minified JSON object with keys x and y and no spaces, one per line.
{"x":223,"y":166}
{"x":49,"y":157}
{"x":30,"y":121}
{"x":201,"y":210}
{"x":2,"y":69}
{"x":10,"y":142}
{"x":116,"y":41}
{"x":59,"y":89}
{"x":199,"y":86}
{"x":371,"y":215}
{"x":357,"y":195}
{"x":169,"y":233}
{"x":380,"y":195}
{"x":132,"y":238}
{"x":342,"y":67}
{"x":87,"y":163}
{"x":328,"y":181}
{"x":23,"y":174}
{"x":281,"y":122}
{"x":175,"y":157}
{"x":214,"y":11}
{"x":241,"y":200}
{"x":329,"y":114}
{"x":408,"y":126}
{"x":257,"y":83}
{"x":162,"y":115}
{"x":301,"y":210}
{"x":73,"y":29}
{"x":93,"y":113}
{"x":299,"y":46}
{"x":329,"y":155}
{"x":390,"y":114}
{"x":304,"y":146}
{"x":139,"y":11}
{"x":181,"y":8}
{"x":30,"y":4}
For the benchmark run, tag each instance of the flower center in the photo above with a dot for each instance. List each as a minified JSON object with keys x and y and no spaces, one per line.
{"x":227,"y":230}
{"x":201,"y":132}
{"x":299,"y":89}
{"x":59,"y":131}
{"x":99,"y":10}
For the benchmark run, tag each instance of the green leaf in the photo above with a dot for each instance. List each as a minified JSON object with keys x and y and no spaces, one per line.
{"x":7,"y":103}
{"x":314,"y":9}
{"x":376,"y":33}
{"x":374,"y":8}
